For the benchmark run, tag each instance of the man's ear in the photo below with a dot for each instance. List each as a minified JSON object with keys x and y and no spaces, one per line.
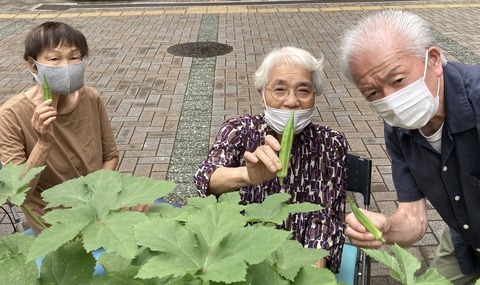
{"x":31,"y":65}
{"x":435,"y":60}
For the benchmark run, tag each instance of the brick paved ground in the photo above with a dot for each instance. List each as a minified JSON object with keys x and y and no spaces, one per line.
{"x":164,"y":109}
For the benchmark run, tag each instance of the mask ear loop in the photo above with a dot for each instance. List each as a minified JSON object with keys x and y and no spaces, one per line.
{"x":425,"y":72}
{"x":426,"y":64}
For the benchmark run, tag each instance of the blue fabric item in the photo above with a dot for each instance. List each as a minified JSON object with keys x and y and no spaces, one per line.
{"x":450,"y":180}
{"x":346,"y":272}
{"x":161,"y":201}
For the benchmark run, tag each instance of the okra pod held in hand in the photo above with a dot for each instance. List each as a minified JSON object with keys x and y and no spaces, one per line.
{"x":286,"y":148}
{"x":47,"y":92}
{"x":365,"y":221}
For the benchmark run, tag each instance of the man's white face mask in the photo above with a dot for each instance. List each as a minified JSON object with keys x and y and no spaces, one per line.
{"x":410,"y":107}
{"x":277,"y":118}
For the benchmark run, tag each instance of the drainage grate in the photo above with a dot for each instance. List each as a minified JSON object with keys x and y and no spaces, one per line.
{"x":53,"y":7}
{"x":200,"y":49}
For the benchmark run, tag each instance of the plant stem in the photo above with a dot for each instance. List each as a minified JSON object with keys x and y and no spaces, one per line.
{"x":31,"y":215}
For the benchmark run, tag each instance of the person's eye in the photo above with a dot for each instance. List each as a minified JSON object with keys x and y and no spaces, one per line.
{"x":279,"y":90}
{"x":304,"y":92}
{"x":399,"y":80}
{"x":370,"y":94}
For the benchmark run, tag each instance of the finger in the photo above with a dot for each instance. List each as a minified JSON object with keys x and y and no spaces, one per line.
{"x":272,"y":142}
{"x":250,"y":157}
{"x":269,"y":158}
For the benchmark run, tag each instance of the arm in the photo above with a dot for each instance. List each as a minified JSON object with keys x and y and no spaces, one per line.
{"x":261,"y":165}
{"x":229,"y":165}
{"x":109,"y":146}
{"x":405,"y":227}
{"x":111,"y":164}
{"x":13,"y":139}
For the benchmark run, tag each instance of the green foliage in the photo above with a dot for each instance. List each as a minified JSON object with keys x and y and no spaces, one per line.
{"x":403,"y":266}
{"x":14,"y":268}
{"x":92,"y":206}
{"x":208,"y":241}
{"x":14,"y":183}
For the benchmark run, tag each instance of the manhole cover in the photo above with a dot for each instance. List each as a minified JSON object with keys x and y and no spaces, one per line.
{"x":200,"y":49}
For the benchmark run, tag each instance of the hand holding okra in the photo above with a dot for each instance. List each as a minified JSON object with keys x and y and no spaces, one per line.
{"x":263,"y":163}
{"x":44,"y":115}
{"x":358,"y":219}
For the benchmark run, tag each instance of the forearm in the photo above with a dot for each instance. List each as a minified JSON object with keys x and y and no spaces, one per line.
{"x":38,"y":157}
{"x":110,"y":164}
{"x":408,"y":224}
{"x":228,"y":179}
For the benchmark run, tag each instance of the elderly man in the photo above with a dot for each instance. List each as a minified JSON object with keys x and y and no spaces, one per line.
{"x":244,"y":157}
{"x":431,"y":110}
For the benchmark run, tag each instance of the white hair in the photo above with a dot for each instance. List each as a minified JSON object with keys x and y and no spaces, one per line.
{"x":387,"y":27}
{"x":291,"y":56}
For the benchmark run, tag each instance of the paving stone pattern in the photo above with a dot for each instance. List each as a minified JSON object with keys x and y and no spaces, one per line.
{"x":165,"y":109}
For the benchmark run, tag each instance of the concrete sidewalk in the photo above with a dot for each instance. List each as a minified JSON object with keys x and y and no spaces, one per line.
{"x":165,"y":108}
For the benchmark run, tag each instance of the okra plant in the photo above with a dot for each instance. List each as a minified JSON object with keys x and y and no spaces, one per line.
{"x":47,"y":92}
{"x":286,"y":148}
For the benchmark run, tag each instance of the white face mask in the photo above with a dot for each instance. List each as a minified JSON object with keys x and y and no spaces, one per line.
{"x":277,"y":118}
{"x":62,"y":79}
{"x":410,"y":107}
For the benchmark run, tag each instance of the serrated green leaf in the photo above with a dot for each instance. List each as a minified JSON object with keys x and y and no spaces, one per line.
{"x":431,"y":277}
{"x":56,"y":235}
{"x":124,"y":277}
{"x":168,"y":236}
{"x":13,"y":182}
{"x":142,"y":190}
{"x":200,"y":203}
{"x":215,"y":222}
{"x":82,"y":190}
{"x":230,"y":197}
{"x":114,"y":233}
{"x":292,"y":256}
{"x":69,"y":264}
{"x":254,"y":244}
{"x":113,"y":262}
{"x":302,"y":208}
{"x":16,"y":270}
{"x":391,"y":262}
{"x":263,"y":273}
{"x":170,"y":265}
{"x":83,"y":213}
{"x":107,"y":190}
{"x":15,"y":244}
{"x":270,"y":210}
{"x":311,"y":276}
{"x":408,"y":263}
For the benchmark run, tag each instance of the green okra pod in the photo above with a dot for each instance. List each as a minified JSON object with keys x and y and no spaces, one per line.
{"x":286,"y":148}
{"x":47,"y":92}
{"x":365,"y":221}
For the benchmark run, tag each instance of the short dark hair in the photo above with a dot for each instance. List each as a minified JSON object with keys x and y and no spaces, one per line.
{"x":51,"y":35}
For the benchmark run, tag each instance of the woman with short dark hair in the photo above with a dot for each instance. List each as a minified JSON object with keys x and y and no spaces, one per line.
{"x":69,"y":133}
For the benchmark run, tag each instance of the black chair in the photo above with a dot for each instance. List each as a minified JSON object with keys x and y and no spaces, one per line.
{"x":356,"y":265}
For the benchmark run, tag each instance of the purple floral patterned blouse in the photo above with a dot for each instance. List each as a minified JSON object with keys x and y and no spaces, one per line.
{"x":316,"y":174}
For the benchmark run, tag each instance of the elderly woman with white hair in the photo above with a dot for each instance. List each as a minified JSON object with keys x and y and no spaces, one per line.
{"x":244,"y":154}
